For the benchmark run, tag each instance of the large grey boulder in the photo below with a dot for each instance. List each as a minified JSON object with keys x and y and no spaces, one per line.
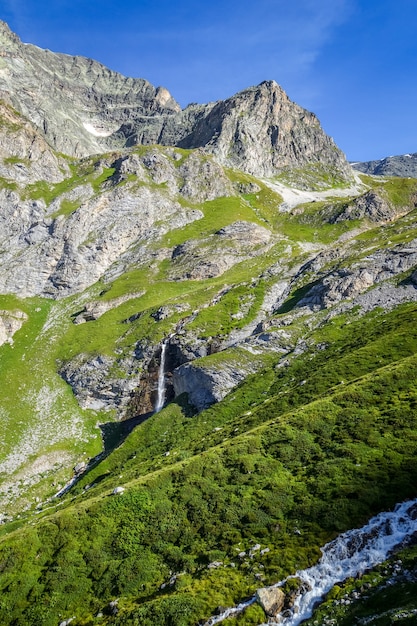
{"x":10,"y":323}
{"x":271,"y":599}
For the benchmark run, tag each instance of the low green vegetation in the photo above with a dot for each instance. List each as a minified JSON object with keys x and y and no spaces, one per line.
{"x":14,"y":160}
{"x":67,"y":207}
{"x":82,"y":174}
{"x":5,"y":183}
{"x":39,"y":413}
{"x":217,"y":214}
{"x":289,"y":459}
{"x":400,"y":191}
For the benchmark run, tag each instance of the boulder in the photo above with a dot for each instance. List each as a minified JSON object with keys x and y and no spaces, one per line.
{"x":271,"y":599}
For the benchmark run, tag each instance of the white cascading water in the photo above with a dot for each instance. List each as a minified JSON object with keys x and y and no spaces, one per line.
{"x":349,"y":555}
{"x":160,"y":399}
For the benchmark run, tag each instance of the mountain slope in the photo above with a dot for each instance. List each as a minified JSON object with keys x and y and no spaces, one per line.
{"x":277,"y":315}
{"x":314,"y":463}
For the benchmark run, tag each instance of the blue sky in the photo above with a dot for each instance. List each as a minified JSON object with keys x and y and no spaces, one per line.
{"x":352,"y":62}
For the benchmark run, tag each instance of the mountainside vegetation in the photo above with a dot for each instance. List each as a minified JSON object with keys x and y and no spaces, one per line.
{"x":267,"y":292}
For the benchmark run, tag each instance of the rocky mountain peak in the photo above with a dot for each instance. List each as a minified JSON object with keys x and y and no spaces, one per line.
{"x":8,"y":39}
{"x":401,"y":165}
{"x":84,"y":108}
{"x":261,"y":131}
{"x":78,"y":103}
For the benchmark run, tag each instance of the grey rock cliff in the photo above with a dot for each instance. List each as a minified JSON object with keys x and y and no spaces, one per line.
{"x":95,"y":384}
{"x":25,"y":155}
{"x":261,"y":131}
{"x":45,"y":251}
{"x":209,"y":383}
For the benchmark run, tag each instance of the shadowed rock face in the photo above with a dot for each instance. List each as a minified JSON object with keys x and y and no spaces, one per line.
{"x":83,"y":108}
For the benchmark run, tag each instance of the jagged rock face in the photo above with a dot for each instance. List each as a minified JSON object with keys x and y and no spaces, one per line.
{"x":105,"y":383}
{"x":84,"y":108}
{"x":402,"y":165}
{"x":206,"y":384}
{"x":78,"y":103}
{"x":351,"y":282}
{"x":60,"y":256}
{"x":370,"y":206}
{"x":262,"y":132}
{"x":47,"y":252}
{"x":25,"y":156}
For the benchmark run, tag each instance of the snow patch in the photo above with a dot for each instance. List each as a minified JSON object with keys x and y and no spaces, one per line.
{"x":294,"y":197}
{"x":97,"y":132}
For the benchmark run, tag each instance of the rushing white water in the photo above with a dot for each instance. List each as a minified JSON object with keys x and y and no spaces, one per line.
{"x":160,"y":400}
{"x":229,"y":612}
{"x":349,"y":555}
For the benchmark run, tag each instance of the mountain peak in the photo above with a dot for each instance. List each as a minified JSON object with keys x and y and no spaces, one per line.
{"x":8,"y":39}
{"x":84,"y":108}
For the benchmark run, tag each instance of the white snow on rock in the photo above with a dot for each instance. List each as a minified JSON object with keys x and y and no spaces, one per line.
{"x":97,"y":132}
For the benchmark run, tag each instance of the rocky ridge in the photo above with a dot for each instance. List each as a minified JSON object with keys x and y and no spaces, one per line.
{"x":402,"y":165}
{"x":83,"y":108}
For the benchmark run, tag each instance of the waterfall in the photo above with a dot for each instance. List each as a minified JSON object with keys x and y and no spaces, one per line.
{"x":160,"y":400}
{"x":349,"y":555}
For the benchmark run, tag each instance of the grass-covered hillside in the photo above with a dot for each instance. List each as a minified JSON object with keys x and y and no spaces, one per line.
{"x":289,"y":459}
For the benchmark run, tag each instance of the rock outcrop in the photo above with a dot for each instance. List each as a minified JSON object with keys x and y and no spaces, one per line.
{"x":209,"y":382}
{"x":97,"y":386}
{"x":25,"y":155}
{"x":370,"y":206}
{"x":53,"y":251}
{"x":348,"y":283}
{"x":10,"y":323}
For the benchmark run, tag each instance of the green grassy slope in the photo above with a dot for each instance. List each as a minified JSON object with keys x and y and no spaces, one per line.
{"x":279,"y":463}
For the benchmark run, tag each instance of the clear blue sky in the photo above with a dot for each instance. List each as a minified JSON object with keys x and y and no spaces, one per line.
{"x":352,"y":62}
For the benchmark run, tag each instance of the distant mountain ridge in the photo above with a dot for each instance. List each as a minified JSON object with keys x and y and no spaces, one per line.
{"x":83,"y":108}
{"x":404,"y":165}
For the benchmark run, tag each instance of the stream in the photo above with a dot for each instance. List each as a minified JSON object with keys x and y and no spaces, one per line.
{"x":349,"y":555}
